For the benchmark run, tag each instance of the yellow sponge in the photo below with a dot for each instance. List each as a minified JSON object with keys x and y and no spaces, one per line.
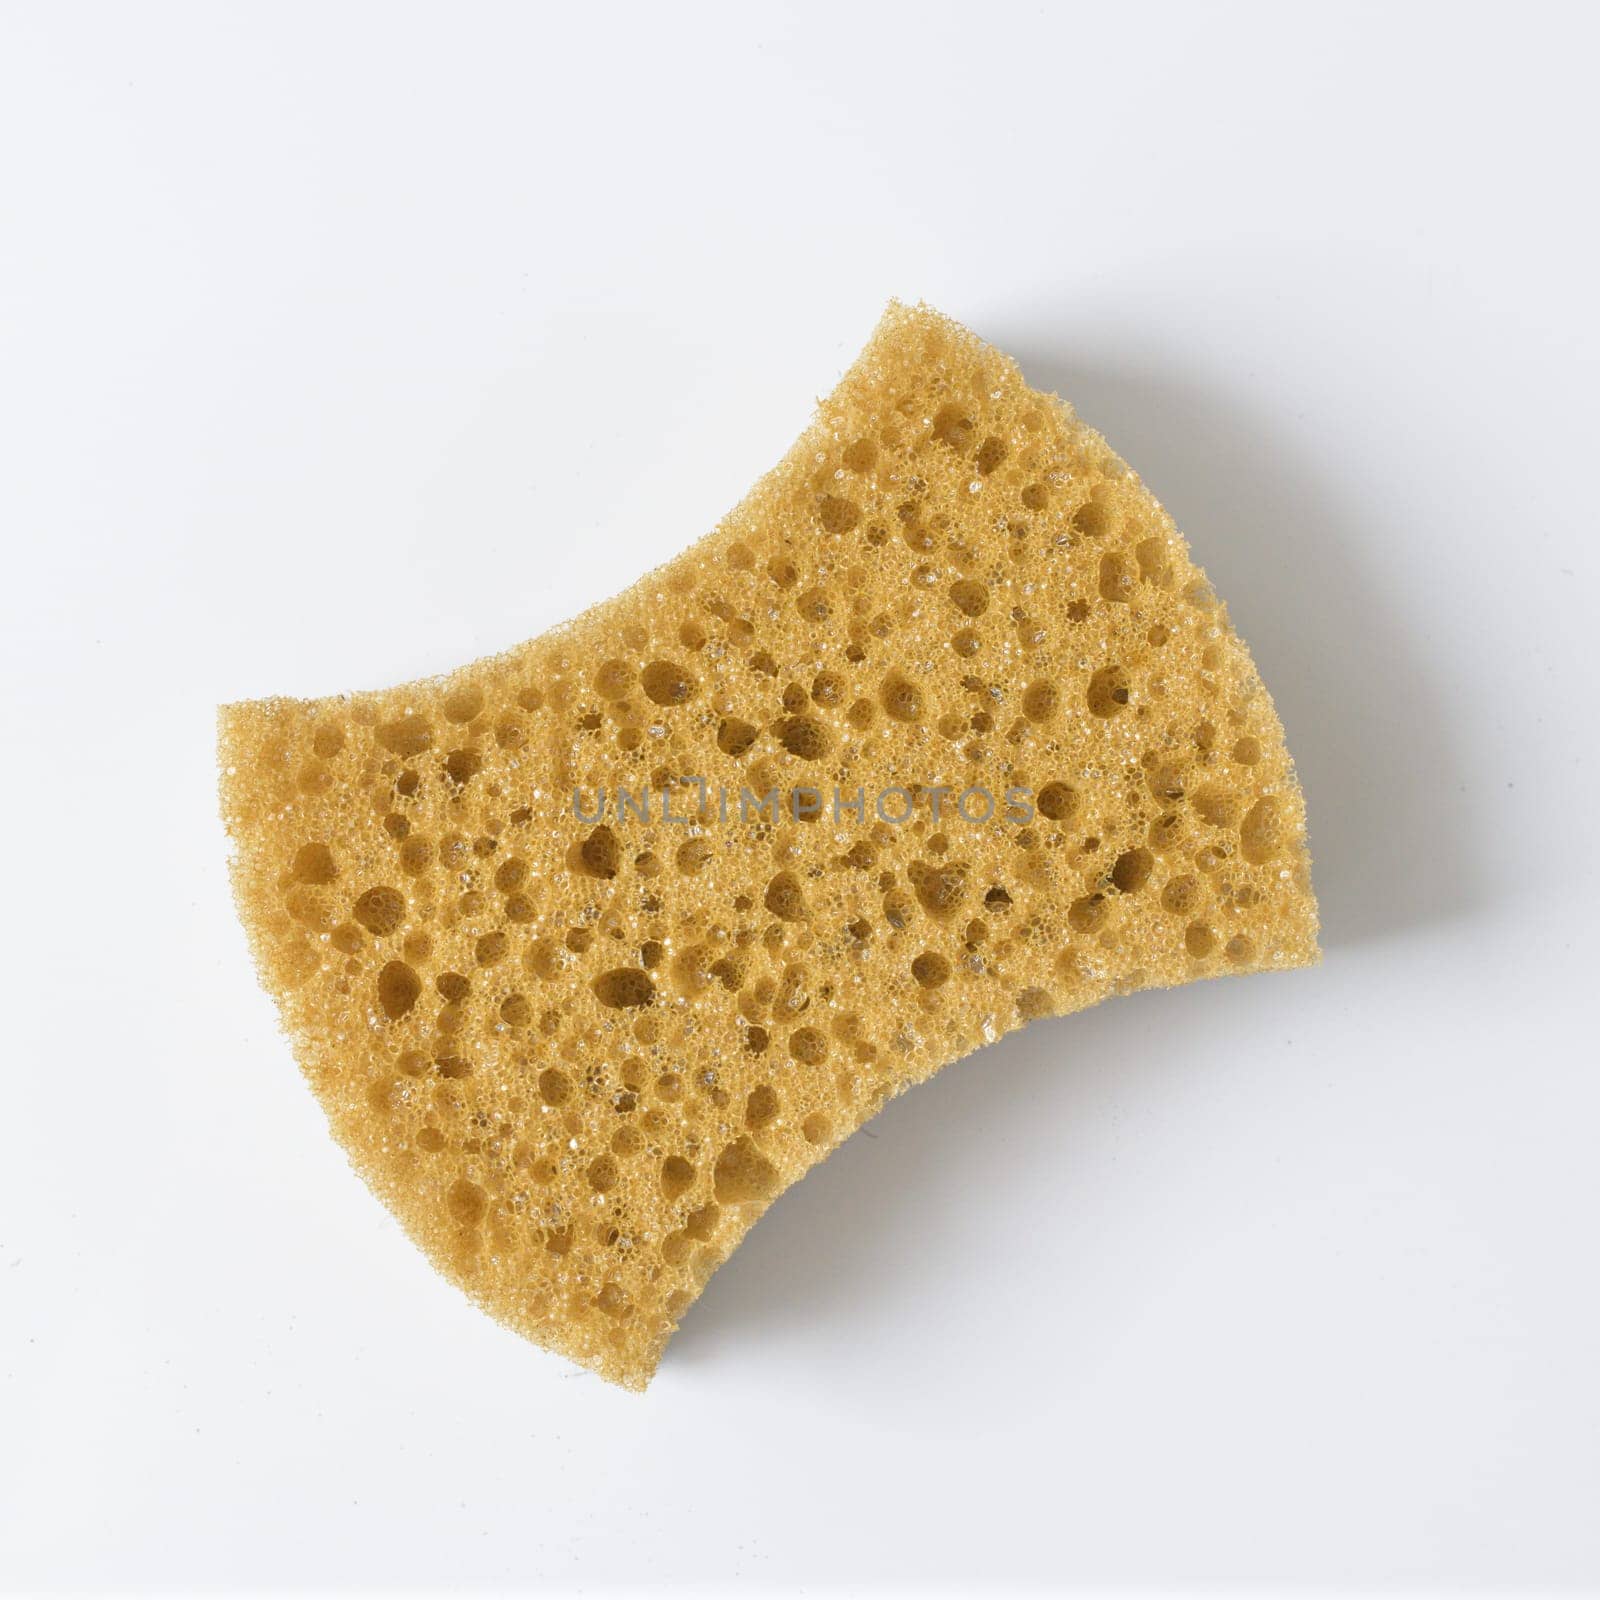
{"x":591,"y":949}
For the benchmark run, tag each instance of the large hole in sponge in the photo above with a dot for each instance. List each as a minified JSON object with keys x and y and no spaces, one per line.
{"x":804,"y":737}
{"x":693,"y":854}
{"x":837,"y":514}
{"x":1109,"y":691}
{"x":785,"y":898}
{"x":624,"y":987}
{"x":406,"y":736}
{"x":1132,"y":870}
{"x":667,"y":683}
{"x":314,"y":864}
{"x":463,"y":703}
{"x":1039,"y":701}
{"x":1058,"y":802}
{"x":1261,"y":832}
{"x":761,"y":1105}
{"x":860,"y":455}
{"x":380,"y":910}
{"x":1094,"y":518}
{"x":735,"y":736}
{"x":1116,"y":579}
{"x":1087,"y":914}
{"x":901,"y":698}
{"x":940,"y":889}
{"x":809,"y":1046}
{"x":462,"y":766}
{"x":600,"y":855}
{"x":677,"y":1177}
{"x":467,"y":1202}
{"x":398,"y":989}
{"x":969,"y":597}
{"x":743,"y":1174}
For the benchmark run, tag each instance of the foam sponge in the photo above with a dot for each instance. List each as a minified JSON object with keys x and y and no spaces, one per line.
{"x":590,"y":949}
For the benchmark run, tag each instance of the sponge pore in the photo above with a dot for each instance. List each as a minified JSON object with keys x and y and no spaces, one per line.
{"x":591,"y":949}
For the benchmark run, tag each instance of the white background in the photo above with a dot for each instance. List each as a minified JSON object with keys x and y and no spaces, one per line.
{"x":345,"y":343}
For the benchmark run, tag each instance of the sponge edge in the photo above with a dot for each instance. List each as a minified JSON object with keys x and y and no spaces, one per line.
{"x":952,"y":735}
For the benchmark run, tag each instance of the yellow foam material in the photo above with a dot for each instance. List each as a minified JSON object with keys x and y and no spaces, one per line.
{"x":578,"y":1059}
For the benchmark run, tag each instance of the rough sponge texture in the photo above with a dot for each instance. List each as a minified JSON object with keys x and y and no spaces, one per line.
{"x":577,"y":1059}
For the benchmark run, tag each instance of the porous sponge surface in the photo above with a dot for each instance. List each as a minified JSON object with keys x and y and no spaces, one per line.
{"x":578,"y":1058}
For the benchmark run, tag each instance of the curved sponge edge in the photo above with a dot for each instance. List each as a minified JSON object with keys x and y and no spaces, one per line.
{"x":578,"y":1044}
